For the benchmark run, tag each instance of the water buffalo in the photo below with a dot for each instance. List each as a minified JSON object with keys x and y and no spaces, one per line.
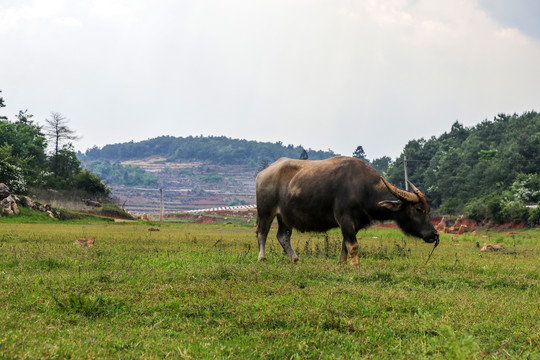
{"x":339,"y":192}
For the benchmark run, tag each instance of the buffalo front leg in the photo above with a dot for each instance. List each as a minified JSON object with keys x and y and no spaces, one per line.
{"x":343,"y":253}
{"x":284,"y":238}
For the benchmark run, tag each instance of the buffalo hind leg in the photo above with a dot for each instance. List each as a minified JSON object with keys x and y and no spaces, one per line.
{"x":284,"y":238}
{"x":349,"y":245}
{"x":263,"y":227}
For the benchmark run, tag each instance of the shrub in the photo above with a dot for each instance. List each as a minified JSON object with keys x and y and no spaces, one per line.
{"x":13,"y":177}
{"x":515,"y":211}
{"x":92,"y":184}
{"x":476,"y":210}
{"x":452,"y":206}
{"x":534,"y":216}
{"x":494,"y":209}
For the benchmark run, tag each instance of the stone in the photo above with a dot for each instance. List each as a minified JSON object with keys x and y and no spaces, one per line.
{"x":14,"y":207}
{"x":9,"y":205}
{"x":92,"y":203}
{"x":4,"y":191}
{"x":30,"y":203}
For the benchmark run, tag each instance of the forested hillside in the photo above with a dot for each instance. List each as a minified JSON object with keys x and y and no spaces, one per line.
{"x":490,"y":170}
{"x":217,"y":150}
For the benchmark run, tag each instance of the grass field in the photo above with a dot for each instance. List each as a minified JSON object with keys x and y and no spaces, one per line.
{"x":197,"y":291}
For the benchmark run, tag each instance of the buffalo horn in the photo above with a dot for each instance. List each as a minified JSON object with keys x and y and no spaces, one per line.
{"x":414,"y":189}
{"x":401,"y":194}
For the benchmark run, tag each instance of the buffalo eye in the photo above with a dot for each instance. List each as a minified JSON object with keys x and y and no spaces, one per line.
{"x":420,"y":210}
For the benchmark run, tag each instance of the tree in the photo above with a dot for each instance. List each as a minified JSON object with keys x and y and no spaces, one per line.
{"x":304,"y":155}
{"x":24,"y":116}
{"x":11,"y":170}
{"x":65,"y":166}
{"x":465,"y":168}
{"x":381,"y":164}
{"x":263,"y":165}
{"x":27,"y":144}
{"x":359,"y":153}
{"x":58,"y":132}
{"x":91,"y":183}
{"x":1,"y":106}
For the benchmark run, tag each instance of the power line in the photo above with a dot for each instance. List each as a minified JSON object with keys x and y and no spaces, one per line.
{"x":467,"y":160}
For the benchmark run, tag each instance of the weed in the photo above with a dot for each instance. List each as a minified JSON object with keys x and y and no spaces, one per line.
{"x":82,"y":305}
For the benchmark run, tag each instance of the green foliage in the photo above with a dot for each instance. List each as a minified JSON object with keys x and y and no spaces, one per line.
{"x":211,"y":178}
{"x":263,"y":165}
{"x":66,"y":215}
{"x":88,"y":307}
{"x":27,"y":148}
{"x":28,"y":216}
{"x":92,"y":184}
{"x":496,"y":161}
{"x":381,"y":164}
{"x":526,"y":188}
{"x":494,"y":209}
{"x":118,"y":174}
{"x":215,"y":149}
{"x":514,"y":211}
{"x":112,"y":211}
{"x":534,"y":215}
{"x":64,"y":167}
{"x":25,"y":164}
{"x":499,"y":209}
{"x":359,"y":153}
{"x":236,"y":202}
{"x":11,"y":170}
{"x":487,"y":154}
{"x":476,"y":210}
{"x":2,"y":104}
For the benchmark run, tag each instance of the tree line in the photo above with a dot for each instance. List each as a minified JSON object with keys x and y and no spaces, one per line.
{"x":114,"y":173}
{"x":488,"y":171}
{"x":26,"y":162}
{"x":218,"y":150}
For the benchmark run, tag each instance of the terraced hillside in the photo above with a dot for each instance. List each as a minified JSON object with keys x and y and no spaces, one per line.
{"x":188,"y":186}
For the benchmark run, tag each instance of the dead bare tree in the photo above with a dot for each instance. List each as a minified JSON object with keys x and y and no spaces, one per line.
{"x":58,"y":132}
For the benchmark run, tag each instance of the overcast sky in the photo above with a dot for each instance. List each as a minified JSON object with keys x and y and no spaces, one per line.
{"x":326,"y":74}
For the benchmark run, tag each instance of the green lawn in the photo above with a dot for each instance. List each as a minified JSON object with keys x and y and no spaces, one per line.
{"x":197,"y":291}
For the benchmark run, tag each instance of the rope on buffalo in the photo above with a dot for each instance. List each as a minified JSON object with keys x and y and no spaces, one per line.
{"x":432,"y":250}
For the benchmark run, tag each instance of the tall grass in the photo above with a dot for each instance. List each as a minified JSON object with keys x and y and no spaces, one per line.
{"x":197,"y":291}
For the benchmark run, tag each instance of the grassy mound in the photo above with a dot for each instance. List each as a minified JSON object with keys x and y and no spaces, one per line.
{"x":110,"y":210}
{"x":28,"y":216}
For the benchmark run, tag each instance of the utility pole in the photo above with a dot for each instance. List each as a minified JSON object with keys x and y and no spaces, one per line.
{"x":406,"y":176}
{"x":160,"y":204}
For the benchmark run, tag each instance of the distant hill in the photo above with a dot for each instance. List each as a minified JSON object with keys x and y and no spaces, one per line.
{"x":218,"y":150}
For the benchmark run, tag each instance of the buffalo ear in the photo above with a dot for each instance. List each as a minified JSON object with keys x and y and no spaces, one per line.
{"x":393,"y":205}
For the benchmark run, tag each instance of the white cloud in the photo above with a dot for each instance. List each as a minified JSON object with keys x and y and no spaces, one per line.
{"x":32,"y":15}
{"x":119,"y":11}
{"x":68,"y":21}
